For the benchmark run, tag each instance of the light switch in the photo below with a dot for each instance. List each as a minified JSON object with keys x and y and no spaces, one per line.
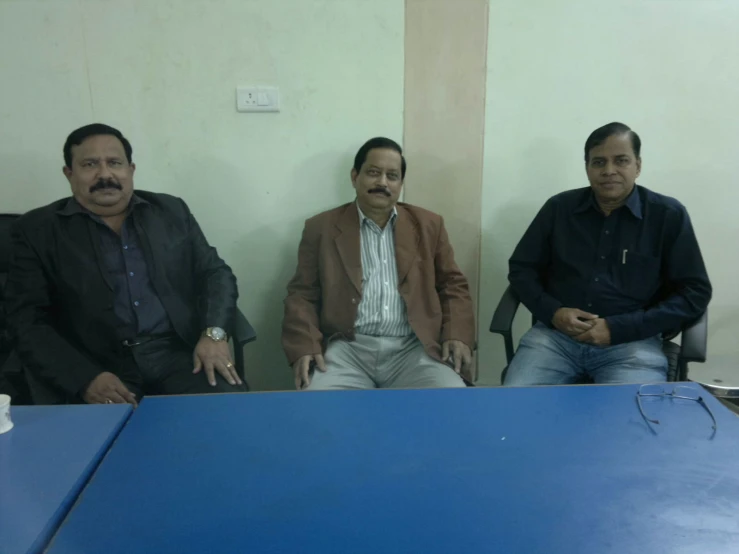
{"x":257,"y":99}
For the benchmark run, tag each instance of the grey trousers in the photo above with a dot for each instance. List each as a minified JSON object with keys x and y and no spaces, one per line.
{"x":382,"y":362}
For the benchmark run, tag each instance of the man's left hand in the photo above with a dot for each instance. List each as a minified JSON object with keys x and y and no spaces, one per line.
{"x":461,"y":356}
{"x":213,"y":356}
{"x":598,"y":335}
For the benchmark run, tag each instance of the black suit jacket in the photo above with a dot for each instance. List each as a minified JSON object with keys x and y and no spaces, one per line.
{"x":60,"y":300}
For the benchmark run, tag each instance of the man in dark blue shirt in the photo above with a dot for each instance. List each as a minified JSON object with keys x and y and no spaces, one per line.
{"x":606,"y":270}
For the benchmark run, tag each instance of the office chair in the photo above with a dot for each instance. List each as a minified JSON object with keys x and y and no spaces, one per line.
{"x":692,"y":347}
{"x":12,"y":380}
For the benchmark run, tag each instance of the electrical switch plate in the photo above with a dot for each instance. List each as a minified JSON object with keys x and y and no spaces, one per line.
{"x":257,"y":99}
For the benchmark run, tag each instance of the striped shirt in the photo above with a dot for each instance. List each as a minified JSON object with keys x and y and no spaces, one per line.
{"x":382,"y":311}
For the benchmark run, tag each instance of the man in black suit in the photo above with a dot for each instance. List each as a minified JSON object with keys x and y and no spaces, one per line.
{"x":113,"y":294}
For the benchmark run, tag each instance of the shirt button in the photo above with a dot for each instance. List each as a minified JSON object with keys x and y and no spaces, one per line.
{"x":354,"y":300}
{"x":131,"y":274}
{"x":602,"y":257}
{"x":384,"y":261}
{"x":590,"y":304}
{"x":136,"y":303}
{"x":387,"y":308}
{"x":387,"y":282}
{"x":125,"y":247}
{"x":608,"y":232}
{"x":596,"y":279}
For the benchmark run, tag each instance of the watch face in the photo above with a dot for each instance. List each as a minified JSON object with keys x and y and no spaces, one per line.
{"x":216,"y":333}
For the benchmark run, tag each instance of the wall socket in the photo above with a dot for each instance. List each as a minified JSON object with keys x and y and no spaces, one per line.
{"x":257,"y":99}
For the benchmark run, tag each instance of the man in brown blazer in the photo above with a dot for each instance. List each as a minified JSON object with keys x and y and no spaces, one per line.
{"x":377,"y":300}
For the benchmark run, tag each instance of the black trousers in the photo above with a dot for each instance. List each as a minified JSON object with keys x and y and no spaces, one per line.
{"x":159,"y":366}
{"x":164,"y":366}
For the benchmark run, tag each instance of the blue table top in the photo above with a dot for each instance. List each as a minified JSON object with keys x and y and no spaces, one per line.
{"x":517,"y":470}
{"x":45,"y":461}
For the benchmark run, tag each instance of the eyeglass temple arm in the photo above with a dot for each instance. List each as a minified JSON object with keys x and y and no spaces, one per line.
{"x":710,"y":412}
{"x":641,"y":410}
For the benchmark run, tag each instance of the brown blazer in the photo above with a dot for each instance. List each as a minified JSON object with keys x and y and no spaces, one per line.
{"x":323,"y":296}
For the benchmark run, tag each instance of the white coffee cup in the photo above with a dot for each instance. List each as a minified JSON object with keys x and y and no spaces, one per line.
{"x":6,"y":424}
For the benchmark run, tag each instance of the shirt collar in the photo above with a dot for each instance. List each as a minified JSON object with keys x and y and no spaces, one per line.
{"x":363,"y":218}
{"x":73,"y":207}
{"x":633,"y":203}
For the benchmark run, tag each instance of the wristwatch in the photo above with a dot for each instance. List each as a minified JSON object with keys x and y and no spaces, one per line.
{"x":216,"y":334}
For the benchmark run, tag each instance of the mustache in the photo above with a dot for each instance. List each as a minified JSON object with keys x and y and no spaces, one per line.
{"x":103,"y":184}
{"x":383,"y":190}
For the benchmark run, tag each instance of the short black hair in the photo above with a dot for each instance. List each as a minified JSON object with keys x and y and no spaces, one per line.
{"x":78,"y":136}
{"x":600,"y":135}
{"x":374,"y":143}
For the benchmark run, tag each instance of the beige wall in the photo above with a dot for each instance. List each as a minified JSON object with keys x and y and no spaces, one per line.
{"x":444,"y":118}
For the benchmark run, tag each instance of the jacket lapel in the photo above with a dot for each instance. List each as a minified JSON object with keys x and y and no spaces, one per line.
{"x":407,"y":239}
{"x":83,"y":233}
{"x":91,"y":236}
{"x":349,"y":246}
{"x":141,"y":224}
{"x":94,"y":283}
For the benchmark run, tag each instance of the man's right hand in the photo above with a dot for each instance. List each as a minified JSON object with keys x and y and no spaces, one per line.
{"x":572,"y":321}
{"x":107,"y":388}
{"x":302,"y":369}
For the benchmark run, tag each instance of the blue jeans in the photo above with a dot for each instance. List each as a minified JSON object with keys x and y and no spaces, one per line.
{"x":548,"y":357}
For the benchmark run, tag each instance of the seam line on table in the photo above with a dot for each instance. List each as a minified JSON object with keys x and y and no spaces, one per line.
{"x":46,"y":538}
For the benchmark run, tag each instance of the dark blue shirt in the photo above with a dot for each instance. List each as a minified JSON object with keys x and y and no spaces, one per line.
{"x":121,"y":257}
{"x":640,"y":268}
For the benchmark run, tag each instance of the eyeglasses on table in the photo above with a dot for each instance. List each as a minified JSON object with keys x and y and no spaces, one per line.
{"x":681,"y":392}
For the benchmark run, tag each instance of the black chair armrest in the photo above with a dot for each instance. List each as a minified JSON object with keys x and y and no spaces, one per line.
{"x":241,"y":330}
{"x":502,"y":321}
{"x":694,"y":340}
{"x":505,"y":312}
{"x":242,"y":333}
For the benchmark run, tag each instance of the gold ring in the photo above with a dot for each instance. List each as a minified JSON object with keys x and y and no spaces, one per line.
{"x":229,"y":365}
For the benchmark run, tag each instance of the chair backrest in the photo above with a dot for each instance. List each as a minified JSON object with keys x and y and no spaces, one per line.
{"x":9,"y":370}
{"x":6,"y":220}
